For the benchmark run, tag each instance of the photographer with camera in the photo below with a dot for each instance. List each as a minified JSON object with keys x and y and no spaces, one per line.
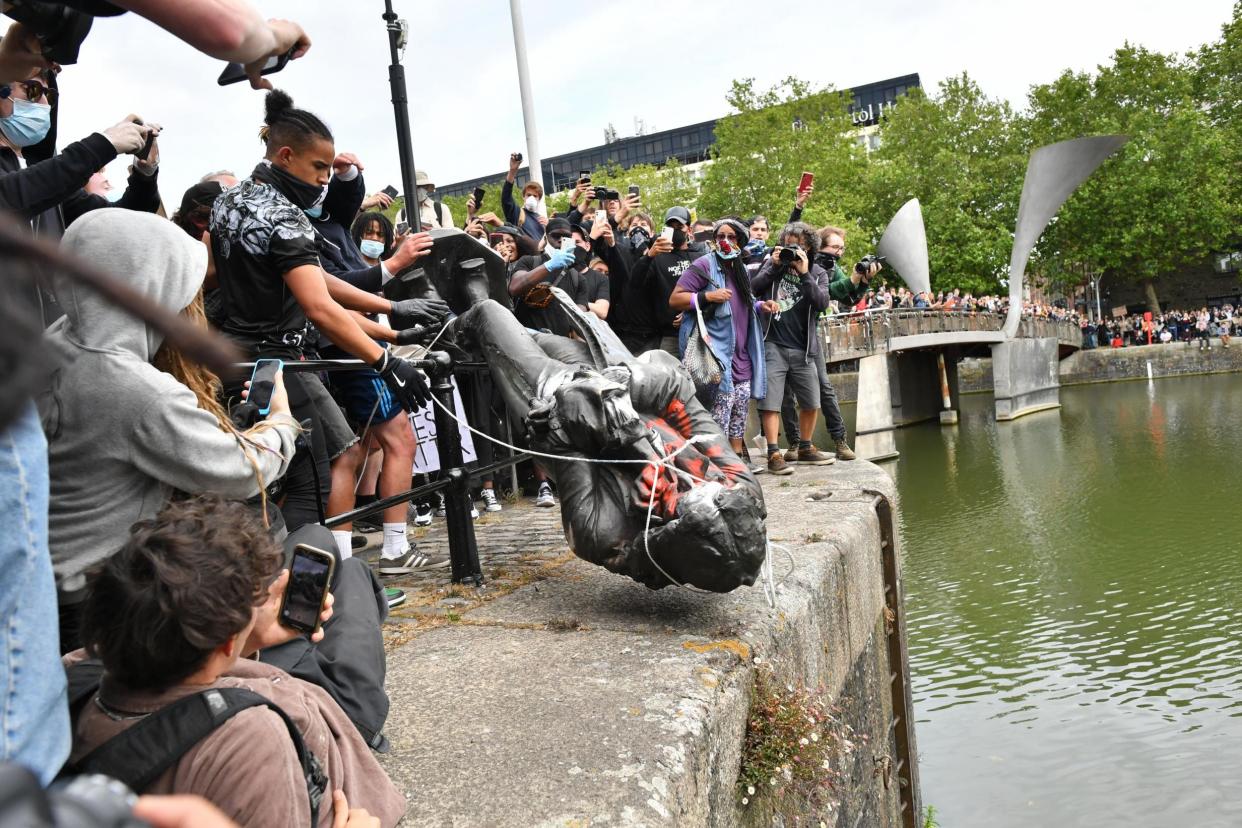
{"x":528,"y":218}
{"x":799,"y":290}
{"x":202,"y":589}
{"x":59,"y":182}
{"x":847,"y":291}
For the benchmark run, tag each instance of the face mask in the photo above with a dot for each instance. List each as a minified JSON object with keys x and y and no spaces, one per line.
{"x":581,"y":257}
{"x":531,"y":203}
{"x":306,"y":196}
{"x":726,"y":250}
{"x":679,"y":238}
{"x":423,"y":194}
{"x":371,"y":248}
{"x":827,"y":260}
{"x":114,"y":195}
{"x":29,"y":123}
{"x":314,"y":212}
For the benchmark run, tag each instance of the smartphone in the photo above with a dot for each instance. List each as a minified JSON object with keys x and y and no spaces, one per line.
{"x":235,"y":72}
{"x":495,"y":238}
{"x":518,"y":156}
{"x":479,"y":192}
{"x":403,"y":227}
{"x":807,"y":180}
{"x":585,"y":176}
{"x":633,"y":189}
{"x":310,"y":575}
{"x":263,"y":383}
{"x":390,"y":191}
{"x":667,"y":233}
{"x":568,"y":244}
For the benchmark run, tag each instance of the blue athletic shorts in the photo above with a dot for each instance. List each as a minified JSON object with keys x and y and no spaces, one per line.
{"x":365,"y":397}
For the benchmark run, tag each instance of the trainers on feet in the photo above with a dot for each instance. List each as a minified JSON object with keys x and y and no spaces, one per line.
{"x":545,"y":498}
{"x":441,"y":510}
{"x":791,"y":454}
{"x":474,"y":512}
{"x":844,"y":452}
{"x":416,"y":561}
{"x":814,"y":457}
{"x":490,"y":503}
{"x":422,"y":514}
{"x":395,"y":597}
{"x":777,"y":464}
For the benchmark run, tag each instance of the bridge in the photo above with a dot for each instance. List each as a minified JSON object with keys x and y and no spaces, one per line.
{"x":907,"y":365}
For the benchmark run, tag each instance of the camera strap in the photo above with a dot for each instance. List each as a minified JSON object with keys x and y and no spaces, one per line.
{"x":143,"y":752}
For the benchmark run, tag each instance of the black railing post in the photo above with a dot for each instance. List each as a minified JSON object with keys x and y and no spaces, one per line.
{"x":463,"y":548}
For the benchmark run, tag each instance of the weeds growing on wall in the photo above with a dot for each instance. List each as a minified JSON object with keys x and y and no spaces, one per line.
{"x":796,"y":745}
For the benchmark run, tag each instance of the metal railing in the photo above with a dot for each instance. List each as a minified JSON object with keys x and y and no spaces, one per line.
{"x":853,"y":335}
{"x":455,"y":477}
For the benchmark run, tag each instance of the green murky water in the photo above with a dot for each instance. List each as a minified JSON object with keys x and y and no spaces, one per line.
{"x":1074,"y":588}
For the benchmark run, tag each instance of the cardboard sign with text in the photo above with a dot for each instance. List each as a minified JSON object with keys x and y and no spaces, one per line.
{"x":423,"y":421}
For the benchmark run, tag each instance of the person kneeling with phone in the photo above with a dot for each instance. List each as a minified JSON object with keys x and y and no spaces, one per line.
{"x":203,"y":589}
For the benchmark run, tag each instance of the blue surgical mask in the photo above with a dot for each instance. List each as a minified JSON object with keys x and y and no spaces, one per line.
{"x":29,"y":123}
{"x":115,"y":194}
{"x":371,"y":248}
{"x":314,"y":212}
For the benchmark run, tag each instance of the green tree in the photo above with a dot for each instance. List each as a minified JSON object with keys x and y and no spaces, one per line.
{"x":1167,"y":197}
{"x":770,"y":139}
{"x":962,"y":155}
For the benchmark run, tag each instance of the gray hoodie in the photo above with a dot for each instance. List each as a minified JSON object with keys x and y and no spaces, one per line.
{"x":122,"y":435}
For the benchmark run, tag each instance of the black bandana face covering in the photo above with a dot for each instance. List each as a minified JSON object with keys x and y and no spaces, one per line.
{"x":291,"y":187}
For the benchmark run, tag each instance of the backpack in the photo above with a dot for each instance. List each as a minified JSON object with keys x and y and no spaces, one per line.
{"x":140,"y":754}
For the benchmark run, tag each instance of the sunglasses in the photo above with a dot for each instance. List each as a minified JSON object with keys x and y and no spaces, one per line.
{"x":726,"y":237}
{"x":34,"y":91}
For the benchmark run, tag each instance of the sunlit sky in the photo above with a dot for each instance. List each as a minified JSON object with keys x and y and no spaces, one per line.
{"x":591,"y":65}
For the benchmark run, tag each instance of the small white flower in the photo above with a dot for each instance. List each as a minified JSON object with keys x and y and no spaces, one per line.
{"x":750,"y":789}
{"x":745,"y":801}
{"x":826,"y":766}
{"x":814,"y":737}
{"x":773,"y":781}
{"x":804,"y":741}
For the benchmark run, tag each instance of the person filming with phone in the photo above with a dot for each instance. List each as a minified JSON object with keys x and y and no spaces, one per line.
{"x":204,"y":589}
{"x":528,"y":217}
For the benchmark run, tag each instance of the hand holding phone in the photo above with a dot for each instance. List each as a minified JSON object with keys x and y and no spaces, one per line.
{"x":236,"y":73}
{"x":667,"y":234}
{"x":306,"y":592}
{"x":263,"y":384}
{"x":390,"y":191}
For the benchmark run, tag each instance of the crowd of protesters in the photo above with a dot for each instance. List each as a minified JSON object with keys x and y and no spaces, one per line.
{"x":152,"y":506}
{"x":1189,"y":327}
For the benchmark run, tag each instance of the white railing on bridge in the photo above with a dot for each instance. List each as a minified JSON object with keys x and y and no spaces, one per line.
{"x":853,"y":335}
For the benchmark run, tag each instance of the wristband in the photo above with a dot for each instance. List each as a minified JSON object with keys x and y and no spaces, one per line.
{"x":701,"y":298}
{"x":380,"y":364}
{"x":757,"y":306}
{"x":694,"y":301}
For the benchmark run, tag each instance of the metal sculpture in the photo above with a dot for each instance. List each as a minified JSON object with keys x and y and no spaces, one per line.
{"x":1052,"y":174}
{"x":904,"y":244}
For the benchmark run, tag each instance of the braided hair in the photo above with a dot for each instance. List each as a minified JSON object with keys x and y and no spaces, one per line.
{"x":284,"y":125}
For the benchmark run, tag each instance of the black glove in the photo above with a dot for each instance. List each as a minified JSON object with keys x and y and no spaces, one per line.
{"x":412,"y":336}
{"x":404,"y":380}
{"x":407,"y":313}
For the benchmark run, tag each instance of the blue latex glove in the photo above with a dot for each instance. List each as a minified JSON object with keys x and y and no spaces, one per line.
{"x":560,"y":260}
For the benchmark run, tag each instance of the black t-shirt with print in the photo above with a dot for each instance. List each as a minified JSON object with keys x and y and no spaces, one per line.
{"x":788,"y":328}
{"x":257,"y":236}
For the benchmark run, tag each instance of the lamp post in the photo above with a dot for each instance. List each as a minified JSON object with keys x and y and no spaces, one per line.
{"x":534,"y":163}
{"x":401,"y":112}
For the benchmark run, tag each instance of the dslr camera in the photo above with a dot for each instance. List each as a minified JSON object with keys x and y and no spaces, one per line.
{"x":59,"y":28}
{"x":90,"y":801}
{"x":605,"y":194}
{"x":788,"y":254}
{"x":865,"y":263}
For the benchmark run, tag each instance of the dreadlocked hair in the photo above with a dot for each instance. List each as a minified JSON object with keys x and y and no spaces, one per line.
{"x":284,"y":125}
{"x":741,"y":278}
{"x":208,"y":390}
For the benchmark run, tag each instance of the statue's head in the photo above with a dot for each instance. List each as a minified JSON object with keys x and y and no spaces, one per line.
{"x":717,"y":542}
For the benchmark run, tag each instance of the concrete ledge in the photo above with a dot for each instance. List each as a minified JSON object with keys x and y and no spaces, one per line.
{"x":587,"y":699}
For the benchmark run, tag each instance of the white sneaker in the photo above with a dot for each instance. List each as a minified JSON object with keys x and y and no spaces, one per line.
{"x":441,"y":511}
{"x":545,"y":498}
{"x":490,"y":503}
{"x":414,"y":562}
{"x":422,"y":514}
{"x":474,"y":512}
